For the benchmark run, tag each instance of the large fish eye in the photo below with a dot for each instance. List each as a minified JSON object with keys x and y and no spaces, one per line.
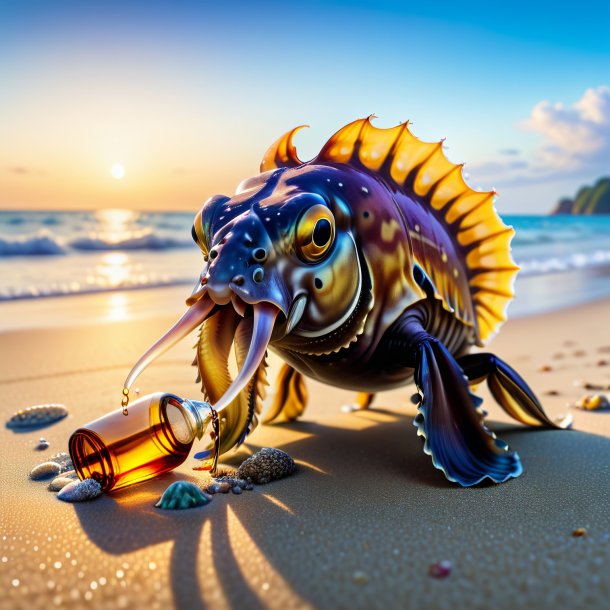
{"x":315,"y":233}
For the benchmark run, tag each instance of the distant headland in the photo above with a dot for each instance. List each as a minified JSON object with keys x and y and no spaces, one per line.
{"x":590,"y":200}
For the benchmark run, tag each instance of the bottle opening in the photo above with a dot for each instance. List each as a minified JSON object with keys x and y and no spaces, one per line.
{"x":91,"y":458}
{"x":179,"y":429}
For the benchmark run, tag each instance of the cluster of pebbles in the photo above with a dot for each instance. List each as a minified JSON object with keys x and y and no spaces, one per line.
{"x":65,"y":481}
{"x":264,"y":466}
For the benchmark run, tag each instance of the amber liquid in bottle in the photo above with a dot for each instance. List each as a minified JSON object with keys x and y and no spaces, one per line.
{"x":155,"y":437}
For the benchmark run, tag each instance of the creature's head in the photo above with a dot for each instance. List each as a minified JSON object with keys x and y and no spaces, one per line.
{"x":280,"y":265}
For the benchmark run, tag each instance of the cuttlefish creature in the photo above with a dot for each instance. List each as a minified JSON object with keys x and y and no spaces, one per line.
{"x":371,"y":266}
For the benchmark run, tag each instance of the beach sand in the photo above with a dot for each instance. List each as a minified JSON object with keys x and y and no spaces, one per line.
{"x":357,"y":527}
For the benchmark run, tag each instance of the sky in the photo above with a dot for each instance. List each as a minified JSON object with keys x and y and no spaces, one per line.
{"x":186,"y":96}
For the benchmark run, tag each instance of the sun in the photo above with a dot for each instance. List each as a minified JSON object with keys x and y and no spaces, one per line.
{"x":117,"y":171}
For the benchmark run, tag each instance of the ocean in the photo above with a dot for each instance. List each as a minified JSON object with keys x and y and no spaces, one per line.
{"x":564,"y":260}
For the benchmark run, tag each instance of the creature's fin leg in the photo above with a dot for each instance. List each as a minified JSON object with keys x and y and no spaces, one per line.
{"x":507,"y":387}
{"x":363,"y":400}
{"x":450,"y":421}
{"x":290,"y":397}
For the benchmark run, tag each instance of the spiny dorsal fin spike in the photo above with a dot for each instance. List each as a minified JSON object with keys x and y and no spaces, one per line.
{"x":282,"y":153}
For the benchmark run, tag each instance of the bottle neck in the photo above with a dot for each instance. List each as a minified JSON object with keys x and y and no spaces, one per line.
{"x":198,"y":414}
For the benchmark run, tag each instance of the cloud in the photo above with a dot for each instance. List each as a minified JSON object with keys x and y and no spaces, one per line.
{"x":22,"y":170}
{"x":575,"y":137}
{"x":18,"y":170}
{"x":510,"y":152}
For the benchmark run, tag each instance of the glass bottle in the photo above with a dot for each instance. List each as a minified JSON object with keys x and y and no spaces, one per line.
{"x":155,"y":437}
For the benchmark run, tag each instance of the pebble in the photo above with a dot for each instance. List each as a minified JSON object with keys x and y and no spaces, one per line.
{"x":43,"y":444}
{"x":579,"y":532}
{"x":237,"y":490}
{"x":593,"y":402}
{"x":552,"y":393}
{"x":266,"y":465}
{"x":579,"y":353}
{"x":440,"y":569}
{"x":45,"y":471}
{"x":360,"y":578}
{"x":62,"y":480}
{"x":37,"y":416}
{"x":228,"y":483}
{"x":545,"y":368}
{"x":181,"y":495}
{"x":80,"y":491}
{"x":602,"y":363}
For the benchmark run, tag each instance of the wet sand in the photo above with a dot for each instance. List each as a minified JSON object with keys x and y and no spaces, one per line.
{"x":357,"y":527}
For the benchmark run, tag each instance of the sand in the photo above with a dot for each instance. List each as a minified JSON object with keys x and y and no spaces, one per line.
{"x":357,"y":527}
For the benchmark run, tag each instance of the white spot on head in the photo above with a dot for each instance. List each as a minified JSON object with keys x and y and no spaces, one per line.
{"x":221,"y":218}
{"x":327,"y":179}
{"x":365,"y":190}
{"x":340,"y":183}
{"x":416,"y":228}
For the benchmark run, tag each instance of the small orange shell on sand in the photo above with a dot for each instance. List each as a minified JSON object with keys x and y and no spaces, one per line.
{"x":593,"y":402}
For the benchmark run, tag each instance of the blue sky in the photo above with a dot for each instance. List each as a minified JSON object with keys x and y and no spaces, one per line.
{"x":195,"y":91}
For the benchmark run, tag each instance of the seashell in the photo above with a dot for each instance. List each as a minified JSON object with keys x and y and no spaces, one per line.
{"x":593,"y":402}
{"x":62,"y":480}
{"x":37,"y":416}
{"x":182,"y":494}
{"x":45,"y":471}
{"x":266,"y":465}
{"x":80,"y":491}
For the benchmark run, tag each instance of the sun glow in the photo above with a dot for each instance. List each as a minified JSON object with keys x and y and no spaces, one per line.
{"x":117,"y":171}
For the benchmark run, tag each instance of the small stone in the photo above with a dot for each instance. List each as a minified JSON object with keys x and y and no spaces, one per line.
{"x":602,"y":363}
{"x":181,"y":495}
{"x":545,"y":368}
{"x":62,"y":480}
{"x":558,"y":356}
{"x":579,"y":353}
{"x":440,"y":569}
{"x":43,"y":444}
{"x":45,"y":471}
{"x":224,"y":487}
{"x":579,"y":532}
{"x":248,"y":486}
{"x":80,"y":491}
{"x":266,"y":465}
{"x":552,"y":393}
{"x":37,"y":416}
{"x":416,"y":398}
{"x":360,"y":578}
{"x":237,"y":490}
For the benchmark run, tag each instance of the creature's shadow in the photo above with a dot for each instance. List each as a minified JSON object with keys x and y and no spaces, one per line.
{"x":128,"y":521}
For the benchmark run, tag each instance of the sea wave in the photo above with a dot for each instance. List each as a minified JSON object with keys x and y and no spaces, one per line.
{"x":569,"y":262}
{"x":44,"y":244}
{"x":75,"y":288}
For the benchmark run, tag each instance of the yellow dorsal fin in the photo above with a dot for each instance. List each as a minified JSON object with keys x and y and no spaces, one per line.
{"x":421,"y":169}
{"x":282,"y":153}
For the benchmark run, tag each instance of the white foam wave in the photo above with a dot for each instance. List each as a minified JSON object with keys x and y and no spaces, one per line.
{"x":44,"y":244}
{"x":570,"y":262}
